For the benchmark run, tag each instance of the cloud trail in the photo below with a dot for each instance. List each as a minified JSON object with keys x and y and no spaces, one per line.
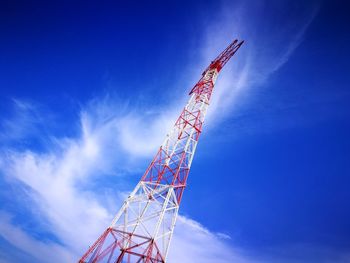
{"x":53,"y":178}
{"x":269,"y":43}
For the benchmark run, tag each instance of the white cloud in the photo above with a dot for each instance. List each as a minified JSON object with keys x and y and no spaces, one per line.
{"x":53,"y":180}
{"x":76,"y":215}
{"x":25,"y":113}
{"x":194,"y":243}
{"x":42,"y":252}
{"x":270,"y":40}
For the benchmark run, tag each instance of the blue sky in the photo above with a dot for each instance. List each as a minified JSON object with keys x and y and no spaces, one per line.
{"x":89,"y":89}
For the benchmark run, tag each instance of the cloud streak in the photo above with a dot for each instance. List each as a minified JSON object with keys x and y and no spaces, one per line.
{"x":270,"y":40}
{"x":37,"y":249}
{"x":54,"y":180}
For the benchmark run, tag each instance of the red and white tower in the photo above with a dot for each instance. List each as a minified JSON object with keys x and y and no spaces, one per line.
{"x":142,"y":229}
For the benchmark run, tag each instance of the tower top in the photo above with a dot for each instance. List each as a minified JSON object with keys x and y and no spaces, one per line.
{"x":224,"y":56}
{"x":209,"y":75}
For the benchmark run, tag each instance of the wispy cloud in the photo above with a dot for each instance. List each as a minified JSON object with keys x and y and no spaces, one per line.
{"x":193,"y":242}
{"x":41,"y":251}
{"x":23,"y":113}
{"x":270,"y":37}
{"x":76,"y":215}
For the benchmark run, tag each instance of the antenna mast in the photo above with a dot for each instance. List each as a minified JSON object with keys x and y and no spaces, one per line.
{"x":142,"y":229}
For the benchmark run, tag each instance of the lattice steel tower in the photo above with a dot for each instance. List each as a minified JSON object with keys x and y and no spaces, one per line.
{"x":142,"y":229}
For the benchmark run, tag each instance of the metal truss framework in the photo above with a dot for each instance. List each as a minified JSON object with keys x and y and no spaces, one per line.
{"x":142,"y":229}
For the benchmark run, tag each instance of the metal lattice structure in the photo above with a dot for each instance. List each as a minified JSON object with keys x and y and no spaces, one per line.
{"x":142,"y":229}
